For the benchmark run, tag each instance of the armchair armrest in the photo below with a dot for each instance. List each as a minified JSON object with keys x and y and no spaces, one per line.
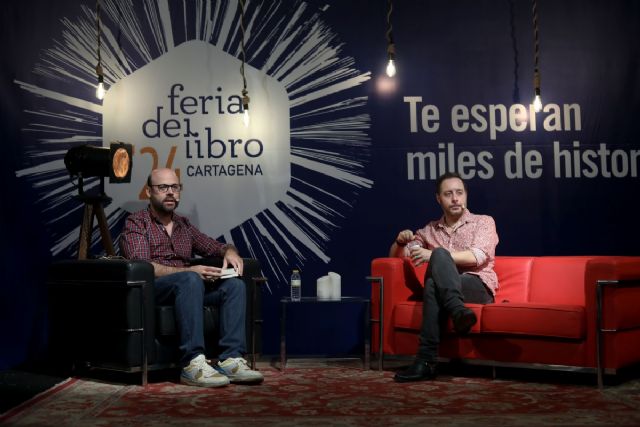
{"x":96,"y":298}
{"x":100,"y":272}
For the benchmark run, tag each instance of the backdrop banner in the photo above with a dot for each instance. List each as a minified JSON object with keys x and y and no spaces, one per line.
{"x":337,"y":157}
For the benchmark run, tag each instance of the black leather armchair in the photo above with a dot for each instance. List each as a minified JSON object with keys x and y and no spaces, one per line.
{"x":103,"y":315}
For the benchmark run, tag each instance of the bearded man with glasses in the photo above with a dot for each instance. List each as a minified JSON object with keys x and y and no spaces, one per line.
{"x":168,"y":241}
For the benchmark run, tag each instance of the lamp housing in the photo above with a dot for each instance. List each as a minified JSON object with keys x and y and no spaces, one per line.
{"x":114,"y":161}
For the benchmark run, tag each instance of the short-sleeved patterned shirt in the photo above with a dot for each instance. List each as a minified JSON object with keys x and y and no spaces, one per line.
{"x":476,"y":233}
{"x":144,"y":237}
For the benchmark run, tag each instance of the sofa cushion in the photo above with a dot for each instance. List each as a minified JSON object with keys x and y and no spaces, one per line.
{"x":513,"y":278}
{"x":558,"y":280}
{"x":408,"y":315}
{"x":559,"y":321}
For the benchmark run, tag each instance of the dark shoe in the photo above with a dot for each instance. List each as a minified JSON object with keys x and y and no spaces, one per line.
{"x":419,"y":371}
{"x":463,"y":320}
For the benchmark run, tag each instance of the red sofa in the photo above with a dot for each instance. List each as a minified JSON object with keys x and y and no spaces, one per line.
{"x":547,"y":313}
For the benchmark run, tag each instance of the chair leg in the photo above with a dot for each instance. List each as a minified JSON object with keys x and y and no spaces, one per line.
{"x":145,"y":371}
{"x":254,"y":322}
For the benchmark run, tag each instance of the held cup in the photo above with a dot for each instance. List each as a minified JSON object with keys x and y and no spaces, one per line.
{"x":413,"y":245}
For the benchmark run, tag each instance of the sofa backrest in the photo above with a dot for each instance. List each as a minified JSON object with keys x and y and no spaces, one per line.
{"x":558,"y":279}
{"x":513,"y":278}
{"x":552,"y":279}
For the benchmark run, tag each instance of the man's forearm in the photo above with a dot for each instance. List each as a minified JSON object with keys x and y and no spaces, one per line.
{"x":397,"y":251}
{"x":464,"y":258}
{"x":229,"y":249}
{"x":164,"y":270}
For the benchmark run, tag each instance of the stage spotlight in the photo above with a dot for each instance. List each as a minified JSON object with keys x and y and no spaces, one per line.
{"x":85,"y":161}
{"x":113,"y":161}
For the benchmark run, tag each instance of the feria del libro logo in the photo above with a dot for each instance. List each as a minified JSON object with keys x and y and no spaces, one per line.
{"x":183,"y":111}
{"x":279,"y":190}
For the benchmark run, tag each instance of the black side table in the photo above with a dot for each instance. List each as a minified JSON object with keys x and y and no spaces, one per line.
{"x":313,"y":300}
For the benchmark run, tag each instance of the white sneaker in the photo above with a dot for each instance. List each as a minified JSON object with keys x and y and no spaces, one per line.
{"x":200,"y":373}
{"x":238,"y":372}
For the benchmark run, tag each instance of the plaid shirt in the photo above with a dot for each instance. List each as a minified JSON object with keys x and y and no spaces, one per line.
{"x":476,"y":233}
{"x":145,"y":238}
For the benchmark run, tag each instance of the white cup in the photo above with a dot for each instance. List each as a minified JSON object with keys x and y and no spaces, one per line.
{"x":412,"y":245}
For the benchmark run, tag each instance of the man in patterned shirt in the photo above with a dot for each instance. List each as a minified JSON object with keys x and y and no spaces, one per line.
{"x":460,"y":249}
{"x":168,"y":241}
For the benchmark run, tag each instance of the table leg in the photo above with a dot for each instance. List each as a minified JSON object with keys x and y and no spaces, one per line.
{"x":283,"y":332}
{"x":367,"y":336}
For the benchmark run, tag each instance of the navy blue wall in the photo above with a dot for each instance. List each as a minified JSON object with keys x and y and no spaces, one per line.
{"x":448,"y":53}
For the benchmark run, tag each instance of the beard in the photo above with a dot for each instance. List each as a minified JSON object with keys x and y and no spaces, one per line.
{"x":159,"y":205}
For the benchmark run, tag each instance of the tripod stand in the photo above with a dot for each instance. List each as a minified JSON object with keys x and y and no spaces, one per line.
{"x":94,"y":207}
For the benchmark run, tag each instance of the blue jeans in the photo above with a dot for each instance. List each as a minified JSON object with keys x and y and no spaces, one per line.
{"x":186,"y":291}
{"x":445,"y":291}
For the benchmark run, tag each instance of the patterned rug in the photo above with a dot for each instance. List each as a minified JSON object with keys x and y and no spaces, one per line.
{"x":333,"y":396}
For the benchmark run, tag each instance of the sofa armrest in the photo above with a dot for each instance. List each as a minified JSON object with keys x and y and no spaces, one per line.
{"x":616,"y":280}
{"x":396,"y":289}
{"x":612,"y":286}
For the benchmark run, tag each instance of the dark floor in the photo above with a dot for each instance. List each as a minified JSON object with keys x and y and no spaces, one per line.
{"x":17,"y":386}
{"x":24,"y":382}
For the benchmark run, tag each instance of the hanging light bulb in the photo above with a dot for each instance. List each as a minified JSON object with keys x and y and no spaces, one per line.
{"x":391,"y":66}
{"x":391,"y":47}
{"x":245,"y":92}
{"x":100,"y":90}
{"x":537,"y":101}
{"x":245,"y":108}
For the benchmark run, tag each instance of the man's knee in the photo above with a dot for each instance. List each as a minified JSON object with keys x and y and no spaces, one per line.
{"x":235,"y":287}
{"x":429,"y":286}
{"x":189,"y":281}
{"x":439,"y":255}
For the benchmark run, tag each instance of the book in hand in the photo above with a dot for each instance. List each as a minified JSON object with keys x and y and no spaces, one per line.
{"x":228,"y":273}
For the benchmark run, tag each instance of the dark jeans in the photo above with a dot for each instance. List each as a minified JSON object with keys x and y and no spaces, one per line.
{"x":186,"y":291}
{"x":445,"y":291}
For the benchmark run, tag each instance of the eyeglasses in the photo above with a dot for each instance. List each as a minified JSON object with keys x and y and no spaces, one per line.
{"x":163,"y":188}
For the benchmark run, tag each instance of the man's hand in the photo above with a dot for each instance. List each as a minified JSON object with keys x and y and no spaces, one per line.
{"x":232,"y":258}
{"x":419,"y":255}
{"x":404,"y":237}
{"x":207,"y":273}
{"x":398,"y":248}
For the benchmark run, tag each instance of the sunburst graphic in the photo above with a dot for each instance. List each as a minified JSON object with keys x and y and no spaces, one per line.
{"x":288,"y":41}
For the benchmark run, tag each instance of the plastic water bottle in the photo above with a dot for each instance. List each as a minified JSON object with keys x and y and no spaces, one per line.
{"x":296,"y":286}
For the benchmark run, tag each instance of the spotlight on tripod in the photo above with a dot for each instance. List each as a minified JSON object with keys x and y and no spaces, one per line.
{"x":86,"y":161}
